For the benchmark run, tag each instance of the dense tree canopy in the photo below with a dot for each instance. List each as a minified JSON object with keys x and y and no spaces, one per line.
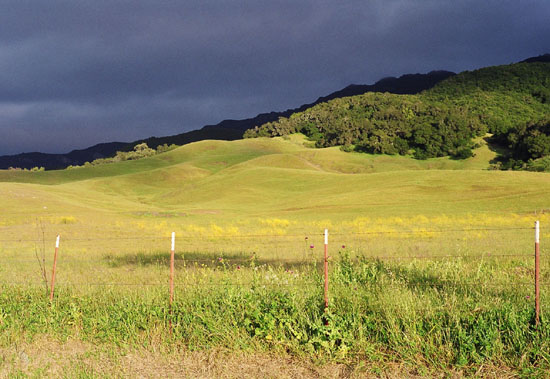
{"x":442,"y":121}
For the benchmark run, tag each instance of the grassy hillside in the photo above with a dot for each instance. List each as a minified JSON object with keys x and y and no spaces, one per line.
{"x":274,"y":176}
{"x":277,"y":188}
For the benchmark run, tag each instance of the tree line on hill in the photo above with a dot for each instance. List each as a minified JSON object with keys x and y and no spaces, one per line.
{"x":141,"y":150}
{"x":382,"y":123}
{"x":511,"y":102}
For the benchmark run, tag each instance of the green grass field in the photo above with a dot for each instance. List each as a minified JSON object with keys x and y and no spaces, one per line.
{"x":431,"y":263}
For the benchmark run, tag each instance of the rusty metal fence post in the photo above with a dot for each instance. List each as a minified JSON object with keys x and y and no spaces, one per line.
{"x":54,"y":267}
{"x":172,"y":250}
{"x":537,"y":273}
{"x":326,"y":270}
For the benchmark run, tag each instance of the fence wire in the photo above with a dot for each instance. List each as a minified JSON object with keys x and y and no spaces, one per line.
{"x":305,"y":236}
{"x":222,"y":259}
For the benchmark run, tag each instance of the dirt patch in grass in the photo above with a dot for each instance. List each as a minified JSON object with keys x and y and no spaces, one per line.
{"x":219,"y":364}
{"x":48,"y":358}
{"x":206,"y":211}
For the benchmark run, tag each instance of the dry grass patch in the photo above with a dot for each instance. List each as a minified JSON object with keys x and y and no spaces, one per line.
{"x":46,"y":357}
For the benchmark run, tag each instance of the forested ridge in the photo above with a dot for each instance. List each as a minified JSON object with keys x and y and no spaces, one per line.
{"x":512,"y":102}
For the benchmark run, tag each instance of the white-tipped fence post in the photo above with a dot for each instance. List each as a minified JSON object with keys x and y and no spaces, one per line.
{"x":537,"y":273}
{"x":54,"y":267}
{"x":326,"y":270}
{"x":172,"y":249}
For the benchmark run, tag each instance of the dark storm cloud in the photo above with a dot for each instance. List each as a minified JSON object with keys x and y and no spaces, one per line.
{"x":74,"y":73}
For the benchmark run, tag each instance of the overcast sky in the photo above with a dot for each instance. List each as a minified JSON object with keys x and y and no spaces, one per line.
{"x":78,"y":72}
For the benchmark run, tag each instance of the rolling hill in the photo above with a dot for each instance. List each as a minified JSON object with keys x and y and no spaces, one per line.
{"x":224,"y":181}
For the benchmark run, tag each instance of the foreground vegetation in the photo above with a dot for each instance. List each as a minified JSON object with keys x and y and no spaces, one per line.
{"x":431,"y":315}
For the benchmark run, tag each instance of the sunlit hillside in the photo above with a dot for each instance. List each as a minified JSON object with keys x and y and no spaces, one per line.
{"x":223,"y":182}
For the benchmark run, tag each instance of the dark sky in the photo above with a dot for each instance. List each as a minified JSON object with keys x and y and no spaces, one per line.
{"x":78,"y":72}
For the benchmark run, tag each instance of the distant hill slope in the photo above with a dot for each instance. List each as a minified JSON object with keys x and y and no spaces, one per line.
{"x":540,"y":58}
{"x":440,"y":121}
{"x":226,"y":130}
{"x":56,"y":161}
{"x":405,"y":84}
